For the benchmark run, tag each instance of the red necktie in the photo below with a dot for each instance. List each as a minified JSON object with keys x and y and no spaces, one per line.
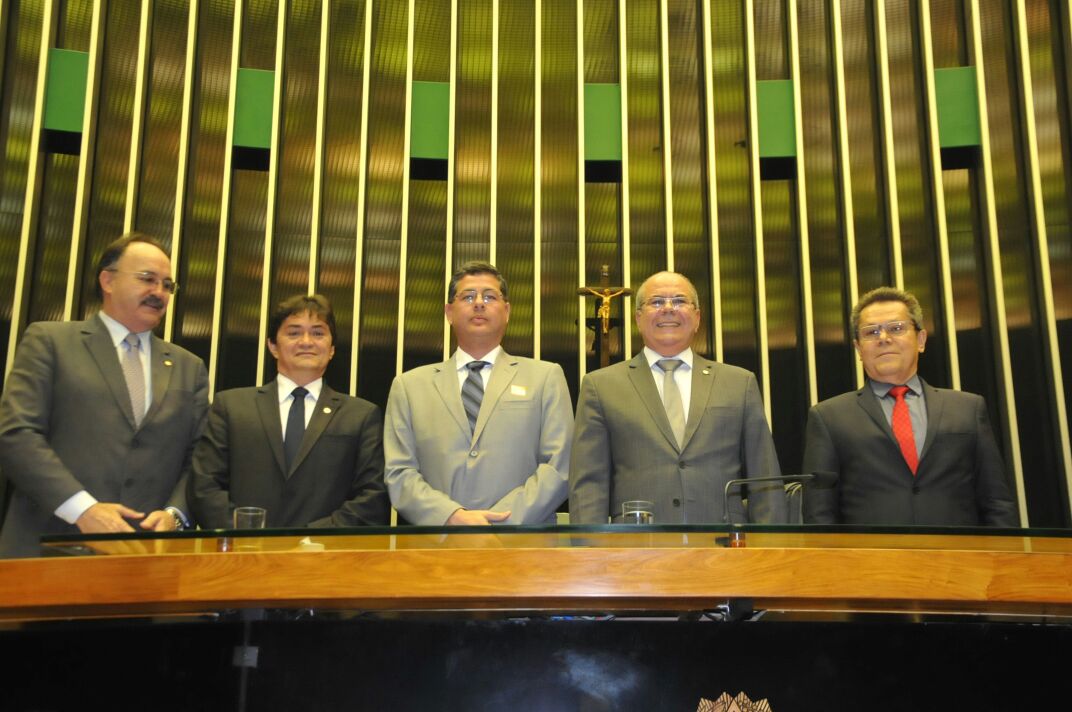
{"x":902,"y":428}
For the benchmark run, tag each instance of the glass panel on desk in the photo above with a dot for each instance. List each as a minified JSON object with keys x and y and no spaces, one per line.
{"x":556,"y":537}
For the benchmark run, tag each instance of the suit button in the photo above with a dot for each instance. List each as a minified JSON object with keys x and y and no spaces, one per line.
{"x":129,"y":482}
{"x":682,"y":464}
{"x":135,"y":443}
{"x":473,"y":453}
{"x":677,"y":502}
{"x":915,"y":489}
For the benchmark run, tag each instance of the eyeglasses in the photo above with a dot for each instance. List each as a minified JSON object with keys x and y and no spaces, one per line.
{"x":675,"y":303}
{"x":488,"y":296}
{"x":149,"y":279}
{"x":873,"y":332}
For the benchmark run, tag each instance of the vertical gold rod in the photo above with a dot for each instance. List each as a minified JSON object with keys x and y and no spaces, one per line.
{"x":448,"y":262}
{"x":712,"y":191}
{"x":181,"y":168}
{"x":889,"y":157}
{"x":225,"y":199}
{"x":404,"y":238}
{"x":582,"y":268}
{"x":138,"y":117}
{"x":85,"y":162}
{"x":807,"y":307}
{"x":668,"y":173}
{"x":993,"y":250}
{"x":31,"y":204}
{"x":362,"y":173}
{"x":627,"y":238}
{"x":845,"y":167}
{"x":273,"y":184}
{"x":493,"y":198}
{"x":3,"y":34}
{"x":938,"y":194}
{"x":318,"y":155}
{"x":1042,"y":250}
{"x":537,"y":177}
{"x":757,"y":206}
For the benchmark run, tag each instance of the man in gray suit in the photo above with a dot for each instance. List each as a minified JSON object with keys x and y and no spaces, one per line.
{"x":634,"y":441}
{"x":905,"y":452}
{"x":484,"y":437}
{"x":307,"y":454}
{"x":99,"y":417}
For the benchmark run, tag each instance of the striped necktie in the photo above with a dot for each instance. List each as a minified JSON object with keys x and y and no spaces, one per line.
{"x":473,"y":392}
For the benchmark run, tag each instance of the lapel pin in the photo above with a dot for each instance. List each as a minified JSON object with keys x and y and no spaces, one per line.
{"x":167,"y":362}
{"x":326,"y":409}
{"x":707,"y":372}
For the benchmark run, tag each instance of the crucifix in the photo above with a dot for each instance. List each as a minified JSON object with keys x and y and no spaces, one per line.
{"x":605,"y":293}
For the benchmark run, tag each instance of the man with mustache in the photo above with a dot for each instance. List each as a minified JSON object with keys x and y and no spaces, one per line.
{"x":905,"y":451}
{"x":307,"y":454}
{"x":670,"y":426}
{"x":99,"y":417}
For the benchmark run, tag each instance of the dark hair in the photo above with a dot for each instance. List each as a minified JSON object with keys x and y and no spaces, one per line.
{"x":110,"y":257}
{"x":471,"y":268}
{"x":315,"y":304}
{"x":887,"y":294}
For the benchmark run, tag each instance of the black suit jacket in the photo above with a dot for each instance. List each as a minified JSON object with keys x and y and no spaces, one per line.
{"x":960,"y":479}
{"x":66,"y":424}
{"x":336,"y":479}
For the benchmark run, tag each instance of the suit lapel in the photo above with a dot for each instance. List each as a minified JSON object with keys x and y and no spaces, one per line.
{"x":162,"y":365}
{"x":99,"y":343}
{"x":703,"y":379}
{"x":933,"y":401}
{"x":502,"y":373}
{"x":644,"y":383}
{"x":446,"y":383}
{"x":326,"y":407}
{"x":268,"y":408}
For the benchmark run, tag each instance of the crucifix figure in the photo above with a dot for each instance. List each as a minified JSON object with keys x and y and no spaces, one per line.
{"x":605,"y":293}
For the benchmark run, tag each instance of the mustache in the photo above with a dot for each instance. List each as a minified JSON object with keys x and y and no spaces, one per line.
{"x":153,"y":301}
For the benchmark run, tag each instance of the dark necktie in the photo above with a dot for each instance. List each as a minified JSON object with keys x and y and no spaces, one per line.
{"x":675,"y":412}
{"x":473,"y":392}
{"x":902,"y":428}
{"x":295,"y":426}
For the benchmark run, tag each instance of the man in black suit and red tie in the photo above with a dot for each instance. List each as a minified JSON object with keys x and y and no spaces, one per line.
{"x":905,"y":451}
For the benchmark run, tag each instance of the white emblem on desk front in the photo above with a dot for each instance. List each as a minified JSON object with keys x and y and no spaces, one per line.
{"x":518,"y":391}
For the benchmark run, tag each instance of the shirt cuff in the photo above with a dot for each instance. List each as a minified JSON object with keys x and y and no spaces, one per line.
{"x":75,"y":506}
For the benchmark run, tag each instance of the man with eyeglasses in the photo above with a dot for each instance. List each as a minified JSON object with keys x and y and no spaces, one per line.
{"x":905,"y":451}
{"x":671,"y":427}
{"x":99,"y":417}
{"x":307,"y":454}
{"x":484,"y":437}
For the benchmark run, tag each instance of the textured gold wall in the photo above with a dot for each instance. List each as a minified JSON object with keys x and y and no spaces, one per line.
{"x":778,"y":262}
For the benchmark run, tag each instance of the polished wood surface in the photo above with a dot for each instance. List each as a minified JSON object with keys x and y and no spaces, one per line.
{"x":552,"y":571}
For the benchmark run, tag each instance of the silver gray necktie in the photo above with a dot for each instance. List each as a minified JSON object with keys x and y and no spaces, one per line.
{"x":473,"y":392}
{"x":134,"y":375}
{"x":675,"y":412}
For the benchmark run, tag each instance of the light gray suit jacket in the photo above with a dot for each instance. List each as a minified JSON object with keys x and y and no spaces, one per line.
{"x":624,"y":449}
{"x":66,"y":425}
{"x":515,"y":460}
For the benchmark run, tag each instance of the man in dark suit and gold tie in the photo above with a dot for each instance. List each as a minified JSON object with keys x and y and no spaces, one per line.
{"x":905,"y":451}
{"x":670,"y":426}
{"x":99,"y":417}
{"x":307,"y":454}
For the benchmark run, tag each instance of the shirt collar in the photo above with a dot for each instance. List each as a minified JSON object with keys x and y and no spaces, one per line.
{"x":118,"y":332}
{"x":462,"y":359}
{"x":653,"y":358}
{"x":881,"y":390}
{"x":287,"y":386}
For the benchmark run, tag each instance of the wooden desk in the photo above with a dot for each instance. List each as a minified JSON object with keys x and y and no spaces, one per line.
{"x":549,"y":571}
